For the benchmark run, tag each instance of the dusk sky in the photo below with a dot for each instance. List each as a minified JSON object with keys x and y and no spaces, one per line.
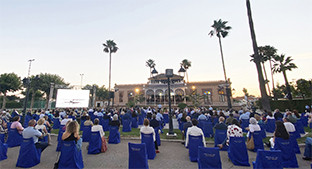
{"x":65,"y":37}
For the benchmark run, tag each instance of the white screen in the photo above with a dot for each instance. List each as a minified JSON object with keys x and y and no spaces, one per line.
{"x":67,"y":98}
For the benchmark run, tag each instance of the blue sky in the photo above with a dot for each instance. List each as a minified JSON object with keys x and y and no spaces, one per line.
{"x":65,"y":37}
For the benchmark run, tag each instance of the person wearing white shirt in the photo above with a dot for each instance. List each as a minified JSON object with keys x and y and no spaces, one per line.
{"x":288,"y":125}
{"x":253,"y":126}
{"x":194,"y":131}
{"x":65,"y":120}
{"x":96,"y":127}
{"x":146,"y":129}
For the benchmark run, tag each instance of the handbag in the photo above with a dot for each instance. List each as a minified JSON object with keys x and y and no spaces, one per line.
{"x":250,"y":143}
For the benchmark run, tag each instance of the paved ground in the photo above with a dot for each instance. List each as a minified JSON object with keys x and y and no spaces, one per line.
{"x":172,"y":155}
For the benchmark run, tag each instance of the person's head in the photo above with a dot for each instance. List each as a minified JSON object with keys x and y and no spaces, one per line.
{"x":46,"y":117}
{"x":270,"y":114}
{"x":231,"y":115}
{"x":72,"y":127}
{"x":221,"y":119}
{"x":16,"y":118}
{"x":281,"y":130}
{"x":252,"y":120}
{"x":154,"y":116}
{"x":41,"y":121}
{"x":235,"y":122}
{"x":146,"y":122}
{"x":257,"y":117}
{"x":87,"y":117}
{"x":96,"y":121}
{"x":32,"y":123}
{"x":194,"y":122}
{"x":115,"y":117}
{"x":188,"y":118}
{"x":285,"y":119}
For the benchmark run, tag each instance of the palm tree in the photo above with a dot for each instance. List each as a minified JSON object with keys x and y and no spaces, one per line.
{"x":151,"y":64}
{"x":186,"y":64}
{"x":264,"y":96}
{"x":282,"y":65}
{"x":220,"y":29}
{"x":110,"y":47}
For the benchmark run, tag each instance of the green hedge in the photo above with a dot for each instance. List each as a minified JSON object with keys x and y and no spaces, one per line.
{"x":12,"y":104}
{"x":291,"y":105}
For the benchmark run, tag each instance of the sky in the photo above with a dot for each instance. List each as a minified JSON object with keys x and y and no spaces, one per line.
{"x":65,"y":37}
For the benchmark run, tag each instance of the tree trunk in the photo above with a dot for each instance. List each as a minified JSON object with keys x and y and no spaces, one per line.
{"x":222,"y":59}
{"x":47,"y":103}
{"x":266,"y":79}
{"x":186,"y":76}
{"x":32,"y":100}
{"x":264,"y":97}
{"x":287,"y":86}
{"x":109,"y":85}
{"x":275,"y":98}
{"x":3,"y":101}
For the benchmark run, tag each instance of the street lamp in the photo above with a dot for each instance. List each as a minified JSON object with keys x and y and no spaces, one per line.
{"x":137,"y":90}
{"x":27,"y":83}
{"x":169,"y":73}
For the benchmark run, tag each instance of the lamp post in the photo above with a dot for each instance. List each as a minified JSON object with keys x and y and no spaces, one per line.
{"x":169,"y":73}
{"x":27,"y":83}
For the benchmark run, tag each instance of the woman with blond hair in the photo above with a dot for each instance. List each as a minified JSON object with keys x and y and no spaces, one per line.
{"x":72,"y":133}
{"x":40,"y":126}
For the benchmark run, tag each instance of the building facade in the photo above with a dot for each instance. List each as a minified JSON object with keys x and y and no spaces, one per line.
{"x":155,"y":92}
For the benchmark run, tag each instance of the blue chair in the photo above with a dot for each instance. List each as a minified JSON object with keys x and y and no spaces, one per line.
{"x":237,"y":151}
{"x":59,"y":138}
{"x":114,"y":135}
{"x":257,"y":140}
{"x":150,"y":145}
{"x":2,"y":136}
{"x":207,"y":128}
{"x":14,"y":138}
{"x":180,"y":125}
{"x":126,"y":125}
{"x":166,"y":118}
{"x":29,"y":155}
{"x":294,"y":143}
{"x":157,"y":136}
{"x":194,"y":143}
{"x":105,"y":124}
{"x":137,"y":156}
{"x":70,"y":156}
{"x":134,"y":122}
{"x":56,"y":123}
{"x":82,"y":124}
{"x":263,"y":133}
{"x":3,"y":151}
{"x":86,"y":133}
{"x":268,"y":159}
{"x":289,"y":159}
{"x":95,"y":143}
{"x":209,"y":158}
{"x":244,"y":124}
{"x":304,"y":120}
{"x":299,"y":127}
{"x":141,"y":119}
{"x":270,"y":125}
{"x":220,"y":136}
{"x":9,"y":125}
{"x":27,"y":118}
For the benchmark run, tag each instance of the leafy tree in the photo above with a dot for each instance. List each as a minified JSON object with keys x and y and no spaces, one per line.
{"x":102,"y":93}
{"x":44,"y":84}
{"x":110,"y":47}
{"x":196,"y":99}
{"x":139,"y":98}
{"x":257,"y":59}
{"x":245,"y":92}
{"x":220,"y":29}
{"x":303,"y":88}
{"x":186,"y":64}
{"x":281,"y":65}
{"x":9,"y":82}
{"x":151,"y":64}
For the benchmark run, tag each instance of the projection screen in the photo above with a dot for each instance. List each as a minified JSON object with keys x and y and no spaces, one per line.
{"x":67,"y":98}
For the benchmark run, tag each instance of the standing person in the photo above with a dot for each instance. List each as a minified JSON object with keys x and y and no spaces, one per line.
{"x":16,"y":124}
{"x":146,"y":129}
{"x":194,"y":131}
{"x":97,"y":127}
{"x":30,"y":131}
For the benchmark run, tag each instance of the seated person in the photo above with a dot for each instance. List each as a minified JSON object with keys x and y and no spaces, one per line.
{"x":194,"y":131}
{"x":221,"y":125}
{"x":65,"y":120}
{"x":307,"y":155}
{"x":88,"y":122}
{"x":30,"y":131}
{"x":288,"y":125}
{"x":186,"y":125}
{"x":16,"y":124}
{"x":253,"y":126}
{"x":47,"y":123}
{"x":40,"y":125}
{"x":146,"y":129}
{"x":280,"y":131}
{"x":233,"y":130}
{"x":72,"y":133}
{"x":97,"y":127}
{"x":115,"y":121}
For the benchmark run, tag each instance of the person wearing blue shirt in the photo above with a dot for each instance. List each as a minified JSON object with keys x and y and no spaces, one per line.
{"x":244,"y":116}
{"x":202,"y":117}
{"x":30,"y":131}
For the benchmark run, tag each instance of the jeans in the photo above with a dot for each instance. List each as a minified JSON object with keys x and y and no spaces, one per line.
{"x":41,"y":145}
{"x":308,"y":148}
